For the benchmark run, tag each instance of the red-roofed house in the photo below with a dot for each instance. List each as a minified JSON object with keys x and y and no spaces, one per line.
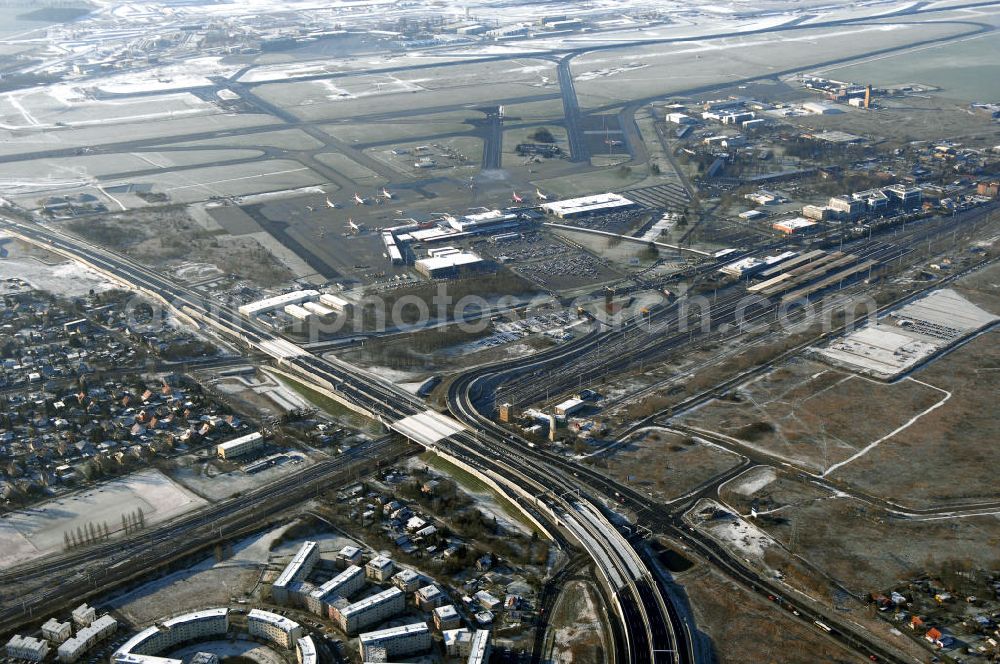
{"x":934,"y":636}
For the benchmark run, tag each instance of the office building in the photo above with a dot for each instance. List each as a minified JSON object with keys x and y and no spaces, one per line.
{"x":241,"y":446}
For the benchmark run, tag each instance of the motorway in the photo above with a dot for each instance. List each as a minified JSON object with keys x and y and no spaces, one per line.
{"x":651,"y":630}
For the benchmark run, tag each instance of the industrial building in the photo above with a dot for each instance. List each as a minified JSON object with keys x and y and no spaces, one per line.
{"x":345,"y":584}
{"x":72,"y":649}
{"x":144,"y":647}
{"x":241,"y":446}
{"x":370,"y":610}
{"x":396,"y":641}
{"x":277,"y":302}
{"x":820,"y":109}
{"x":569,"y":407}
{"x":392,"y":251}
{"x":27,"y":647}
{"x":55,"y":631}
{"x":296,"y":570}
{"x":272,"y":627}
{"x":305,"y":651}
{"x":796,"y":226}
{"x":586,"y":205}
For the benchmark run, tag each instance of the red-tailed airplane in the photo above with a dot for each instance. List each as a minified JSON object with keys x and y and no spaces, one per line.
{"x":514,"y":198}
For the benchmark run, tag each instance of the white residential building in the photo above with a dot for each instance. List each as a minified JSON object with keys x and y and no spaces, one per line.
{"x":305,"y":651}
{"x":406,"y":580}
{"x":370,"y":610}
{"x":83,"y":615}
{"x":429,"y":598}
{"x":479,"y":649}
{"x":345,"y":584}
{"x":397,"y":641}
{"x":349,"y":555}
{"x":270,"y":626}
{"x":379,"y":568}
{"x":296,"y":570}
{"x":72,"y":649}
{"x":457,"y":642}
{"x":56,"y":631}
{"x":27,"y":647}
{"x":144,"y":647}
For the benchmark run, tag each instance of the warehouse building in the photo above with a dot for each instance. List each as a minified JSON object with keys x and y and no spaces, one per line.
{"x":318,"y":309}
{"x":296,"y":570}
{"x":587,"y":205}
{"x":277,"y":302}
{"x":27,"y":647}
{"x":450,"y":265}
{"x":72,"y":649}
{"x":370,"y":610}
{"x":569,"y":407}
{"x":272,"y":627}
{"x":396,"y":641}
{"x":241,"y":446}
{"x":345,"y":584}
{"x":298,"y":312}
{"x":336,"y":303}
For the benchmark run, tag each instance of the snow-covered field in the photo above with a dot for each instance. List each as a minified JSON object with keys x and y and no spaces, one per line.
{"x":39,"y":530}
{"x":66,"y":278}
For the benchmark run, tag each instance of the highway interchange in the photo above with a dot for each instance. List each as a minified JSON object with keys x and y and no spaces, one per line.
{"x":553,"y":489}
